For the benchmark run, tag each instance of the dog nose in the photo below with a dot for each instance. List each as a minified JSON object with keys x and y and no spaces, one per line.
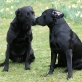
{"x":34,"y":22}
{"x":34,"y":19}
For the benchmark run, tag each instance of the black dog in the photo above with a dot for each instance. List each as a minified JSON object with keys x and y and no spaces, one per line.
{"x":19,"y":38}
{"x":63,"y":41}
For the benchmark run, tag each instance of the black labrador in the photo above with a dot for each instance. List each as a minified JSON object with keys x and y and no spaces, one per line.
{"x":63,"y":41}
{"x":19,"y":38}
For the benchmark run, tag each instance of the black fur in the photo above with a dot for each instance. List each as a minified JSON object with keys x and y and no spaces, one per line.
{"x":63,"y":41}
{"x":19,"y":37}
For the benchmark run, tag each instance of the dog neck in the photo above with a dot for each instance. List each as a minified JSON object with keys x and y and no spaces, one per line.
{"x":19,"y":26}
{"x":59,"y":24}
{"x":56,"y":22}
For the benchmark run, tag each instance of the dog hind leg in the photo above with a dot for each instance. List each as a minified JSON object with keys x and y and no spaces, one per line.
{"x":77,"y":64}
{"x":2,"y":64}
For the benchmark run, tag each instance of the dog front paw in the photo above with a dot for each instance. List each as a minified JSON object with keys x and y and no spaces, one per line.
{"x":27,"y":67}
{"x":49,"y":73}
{"x":69,"y":77}
{"x":5,"y":70}
{"x":66,"y":70}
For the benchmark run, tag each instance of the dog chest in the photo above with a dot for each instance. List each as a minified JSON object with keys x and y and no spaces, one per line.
{"x":54,"y":44}
{"x":19,"y":45}
{"x":18,"y":49}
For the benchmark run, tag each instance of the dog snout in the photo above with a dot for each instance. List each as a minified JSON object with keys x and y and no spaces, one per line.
{"x":34,"y":22}
{"x":37,"y":20}
{"x":40,"y":21}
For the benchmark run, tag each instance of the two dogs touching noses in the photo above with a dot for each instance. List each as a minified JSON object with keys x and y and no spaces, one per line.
{"x":63,"y":41}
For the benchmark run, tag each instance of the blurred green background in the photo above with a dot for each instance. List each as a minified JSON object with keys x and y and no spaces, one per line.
{"x":71,"y":8}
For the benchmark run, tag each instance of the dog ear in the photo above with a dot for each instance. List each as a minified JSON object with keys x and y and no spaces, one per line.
{"x":18,"y":13}
{"x":57,"y":14}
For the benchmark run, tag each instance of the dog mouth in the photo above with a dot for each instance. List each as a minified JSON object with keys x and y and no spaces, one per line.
{"x":40,"y":22}
{"x":31,"y":22}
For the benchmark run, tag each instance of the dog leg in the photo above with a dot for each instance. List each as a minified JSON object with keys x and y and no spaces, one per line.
{"x":32,"y":57}
{"x":27,"y":66}
{"x":69,"y":63}
{"x":53,"y":60}
{"x":6,"y":63}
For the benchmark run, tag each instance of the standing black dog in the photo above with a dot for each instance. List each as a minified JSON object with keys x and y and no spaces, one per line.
{"x":62,"y":41}
{"x":19,"y":38}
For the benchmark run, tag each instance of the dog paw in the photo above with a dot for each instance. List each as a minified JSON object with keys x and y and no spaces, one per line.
{"x":49,"y":73}
{"x":1,"y":64}
{"x":27,"y":68}
{"x":65,"y":71}
{"x":69,"y":78}
{"x":4,"y":70}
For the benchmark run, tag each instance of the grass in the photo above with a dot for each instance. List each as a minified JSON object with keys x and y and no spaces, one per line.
{"x":40,"y":43}
{"x":39,"y":67}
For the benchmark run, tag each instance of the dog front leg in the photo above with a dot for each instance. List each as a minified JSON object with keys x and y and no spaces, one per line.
{"x":69,"y":62}
{"x":27,"y":66}
{"x":6,"y":63}
{"x":53,"y":61}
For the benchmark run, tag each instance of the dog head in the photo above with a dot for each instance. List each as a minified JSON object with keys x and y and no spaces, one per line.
{"x":25,"y":15}
{"x":49,"y":16}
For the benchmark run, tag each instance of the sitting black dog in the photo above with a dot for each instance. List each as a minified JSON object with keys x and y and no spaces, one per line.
{"x":19,"y":38}
{"x":63,"y":41}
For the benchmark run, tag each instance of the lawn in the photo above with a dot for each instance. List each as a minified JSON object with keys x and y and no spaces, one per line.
{"x":40,"y":44}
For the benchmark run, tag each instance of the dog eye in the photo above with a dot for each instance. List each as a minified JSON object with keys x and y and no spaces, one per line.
{"x":27,"y":14}
{"x":33,"y":13}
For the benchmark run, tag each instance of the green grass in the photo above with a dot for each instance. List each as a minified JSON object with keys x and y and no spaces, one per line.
{"x":40,"y":66}
{"x":40,"y":43}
